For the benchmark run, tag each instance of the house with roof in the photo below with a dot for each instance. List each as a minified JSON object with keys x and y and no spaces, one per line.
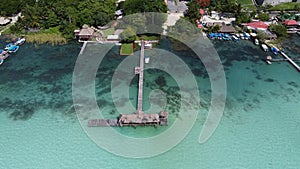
{"x":256,"y":25}
{"x":85,"y":33}
{"x":291,"y":23}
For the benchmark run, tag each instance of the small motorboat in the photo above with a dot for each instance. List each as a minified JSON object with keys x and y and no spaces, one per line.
{"x":8,"y":46}
{"x":234,"y":38}
{"x":275,"y":50}
{"x":20,"y":41}
{"x":147,"y":59}
{"x":265,"y":47}
{"x":256,"y":42}
{"x":13,"y":49}
{"x":1,"y":61}
{"x":3,"y":54}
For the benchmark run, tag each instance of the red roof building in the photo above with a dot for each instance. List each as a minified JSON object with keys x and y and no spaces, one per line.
{"x":201,"y":11}
{"x":257,"y":25}
{"x":291,"y":23}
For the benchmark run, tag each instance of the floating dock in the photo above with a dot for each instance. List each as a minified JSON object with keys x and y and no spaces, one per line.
{"x":139,"y":118}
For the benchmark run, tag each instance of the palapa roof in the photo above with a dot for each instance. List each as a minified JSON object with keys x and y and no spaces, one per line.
{"x":86,"y":30}
{"x":227,"y":29}
{"x":139,"y":118}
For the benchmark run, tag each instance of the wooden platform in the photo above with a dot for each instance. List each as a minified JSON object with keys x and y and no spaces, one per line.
{"x":103,"y":123}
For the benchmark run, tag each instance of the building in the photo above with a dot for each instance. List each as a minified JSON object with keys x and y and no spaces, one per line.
{"x":85,"y":34}
{"x":227,"y":28}
{"x":290,"y":23}
{"x":256,"y":25}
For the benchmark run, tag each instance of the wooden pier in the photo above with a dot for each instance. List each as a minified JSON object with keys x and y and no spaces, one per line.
{"x":141,"y":79}
{"x":290,"y":60}
{"x":139,"y":118}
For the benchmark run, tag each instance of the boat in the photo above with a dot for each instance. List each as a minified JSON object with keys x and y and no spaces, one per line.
{"x":256,"y":42}
{"x":242,"y":36}
{"x":298,"y":33}
{"x":247,"y":36}
{"x":226,"y":37}
{"x":13,"y":49}
{"x":8,"y":46}
{"x":1,"y":61}
{"x":265,"y":47}
{"x":147,"y":59}
{"x":275,"y":50}
{"x":3,"y":54}
{"x":20,"y":41}
{"x":268,"y":62}
{"x":234,"y":38}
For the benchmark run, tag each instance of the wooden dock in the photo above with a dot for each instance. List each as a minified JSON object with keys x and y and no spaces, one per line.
{"x":141,"y":79}
{"x":290,"y":60}
{"x":83,"y":47}
{"x":139,"y":118}
{"x":103,"y":123}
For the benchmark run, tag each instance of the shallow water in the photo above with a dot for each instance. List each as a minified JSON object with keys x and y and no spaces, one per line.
{"x":260,"y":127}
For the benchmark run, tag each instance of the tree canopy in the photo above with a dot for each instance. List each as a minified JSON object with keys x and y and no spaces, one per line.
{"x":66,"y":14}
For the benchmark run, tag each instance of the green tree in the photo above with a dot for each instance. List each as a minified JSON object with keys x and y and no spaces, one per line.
{"x":128,"y":35}
{"x":279,"y":29}
{"x":193,"y":11}
{"x":263,"y":16}
{"x":243,"y":17}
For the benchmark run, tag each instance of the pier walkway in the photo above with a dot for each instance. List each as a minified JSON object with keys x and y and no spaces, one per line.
{"x":141,"y":79}
{"x":290,"y":60}
{"x":139,"y":118}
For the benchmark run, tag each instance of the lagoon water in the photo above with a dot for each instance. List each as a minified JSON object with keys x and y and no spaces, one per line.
{"x":260,"y":127}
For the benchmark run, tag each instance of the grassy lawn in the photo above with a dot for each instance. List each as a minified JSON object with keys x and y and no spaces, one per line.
{"x":286,"y":6}
{"x":249,"y":7}
{"x":245,"y":2}
{"x":126,"y":49}
{"x":109,"y":31}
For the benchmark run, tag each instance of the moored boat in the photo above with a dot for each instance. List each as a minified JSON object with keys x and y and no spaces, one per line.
{"x":256,"y":42}
{"x":275,"y":50}
{"x":3,"y":54}
{"x":234,"y":38}
{"x":13,"y":48}
{"x":147,"y":59}
{"x":8,"y":46}
{"x":20,"y":41}
{"x":265,"y":47}
{"x":1,"y":61}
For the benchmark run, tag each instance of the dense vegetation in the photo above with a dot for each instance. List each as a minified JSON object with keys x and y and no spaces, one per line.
{"x":137,"y":21}
{"x":66,"y":15}
{"x":11,"y":7}
{"x":63,"y":16}
{"x":286,"y":7}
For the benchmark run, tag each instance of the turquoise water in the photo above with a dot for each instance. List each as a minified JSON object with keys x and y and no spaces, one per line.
{"x":260,"y":127}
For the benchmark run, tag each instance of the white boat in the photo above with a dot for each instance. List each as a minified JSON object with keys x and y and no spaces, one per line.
{"x":242,"y":36}
{"x":147,"y":59}
{"x":20,"y":41}
{"x":1,"y":61}
{"x":268,"y":62}
{"x":265,"y":47}
{"x":298,"y":33}
{"x":234,"y":38}
{"x":256,"y":42}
